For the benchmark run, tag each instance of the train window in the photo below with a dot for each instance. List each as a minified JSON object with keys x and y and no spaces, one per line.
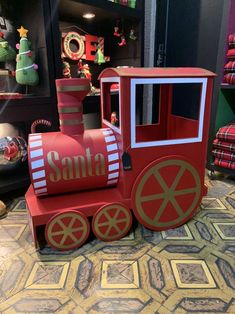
{"x":110,"y":103}
{"x":175,"y":108}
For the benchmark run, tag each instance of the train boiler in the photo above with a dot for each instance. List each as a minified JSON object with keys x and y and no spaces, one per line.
{"x":99,"y":178}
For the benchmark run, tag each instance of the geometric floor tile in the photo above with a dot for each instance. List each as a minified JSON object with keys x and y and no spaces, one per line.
{"x":212,"y":203}
{"x":11,"y":232}
{"x":226,"y":230}
{"x":186,"y":270}
{"x":48,"y":275}
{"x":120,"y":275}
{"x":192,"y":274}
{"x":180,"y":233}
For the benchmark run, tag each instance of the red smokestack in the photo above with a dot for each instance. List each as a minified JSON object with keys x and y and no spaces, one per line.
{"x":70,"y":93}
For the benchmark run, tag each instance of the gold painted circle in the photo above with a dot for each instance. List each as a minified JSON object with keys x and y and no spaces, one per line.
{"x":112,"y":223}
{"x":168,"y":195}
{"x":67,"y":231}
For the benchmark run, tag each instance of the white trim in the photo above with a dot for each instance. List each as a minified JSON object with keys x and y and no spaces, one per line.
{"x":37,"y":164}
{"x":113,"y":157}
{"x":113,"y":175}
{"x":38,"y":174}
{"x":36,"y":153}
{"x":40,"y":191}
{"x":112,"y":182}
{"x":33,"y":144}
{"x":108,"y":132}
{"x":104,"y":121}
{"x":135,"y":82}
{"x":112,"y":147}
{"x":39,"y":184}
{"x":109,"y":139}
{"x":33,"y":137}
{"x":113,"y":167}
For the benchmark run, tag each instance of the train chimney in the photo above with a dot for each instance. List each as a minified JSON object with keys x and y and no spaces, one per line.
{"x":70,"y":93}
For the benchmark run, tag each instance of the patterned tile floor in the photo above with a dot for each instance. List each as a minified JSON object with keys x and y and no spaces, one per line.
{"x":186,"y":270}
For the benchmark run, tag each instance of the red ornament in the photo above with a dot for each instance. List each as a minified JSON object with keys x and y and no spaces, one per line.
{"x":123,"y":41}
{"x":116,"y":31}
{"x":29,"y":54}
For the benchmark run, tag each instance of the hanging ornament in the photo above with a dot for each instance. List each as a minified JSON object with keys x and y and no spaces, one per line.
{"x":99,"y":56}
{"x":123,"y":41}
{"x":116,"y":31}
{"x":132,"y":34}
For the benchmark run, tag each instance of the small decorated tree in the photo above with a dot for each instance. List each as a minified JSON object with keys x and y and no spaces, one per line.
{"x":26,"y":69}
{"x":7,"y":53}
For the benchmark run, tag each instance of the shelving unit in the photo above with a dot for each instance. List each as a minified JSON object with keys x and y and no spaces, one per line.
{"x":45,"y":21}
{"x":223,"y":110}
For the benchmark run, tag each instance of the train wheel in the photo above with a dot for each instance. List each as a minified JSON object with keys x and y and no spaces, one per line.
{"x":67,"y":231}
{"x":112,"y":222}
{"x":167,"y":193}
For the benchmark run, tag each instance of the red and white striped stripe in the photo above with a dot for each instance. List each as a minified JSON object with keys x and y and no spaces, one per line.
{"x":113,"y":156}
{"x":37,"y":164}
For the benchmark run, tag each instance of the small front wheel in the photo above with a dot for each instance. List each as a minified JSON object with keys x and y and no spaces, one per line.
{"x":68,"y":230}
{"x":112,"y":222}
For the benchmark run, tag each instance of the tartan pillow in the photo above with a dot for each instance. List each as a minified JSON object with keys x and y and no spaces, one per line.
{"x":229,"y":67}
{"x":231,"y":40}
{"x":229,"y":78}
{"x":231,"y":53}
{"x":229,"y":147}
{"x":224,"y":163}
{"x":227,"y":133}
{"x":222,"y":154}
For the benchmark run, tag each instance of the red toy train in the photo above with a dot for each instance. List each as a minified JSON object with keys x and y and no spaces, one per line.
{"x":154,"y":169}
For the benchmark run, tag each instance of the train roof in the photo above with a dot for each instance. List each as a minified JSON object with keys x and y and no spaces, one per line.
{"x":156,"y":72}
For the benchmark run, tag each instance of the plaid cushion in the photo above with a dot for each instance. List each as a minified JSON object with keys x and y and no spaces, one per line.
{"x":229,"y":67}
{"x":228,"y":147}
{"x":231,"y":40}
{"x":229,"y":78}
{"x":227,"y":133}
{"x":222,"y":154}
{"x":231,"y":53}
{"x":224,"y":163}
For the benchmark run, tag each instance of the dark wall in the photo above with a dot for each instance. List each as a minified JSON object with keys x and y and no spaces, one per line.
{"x":194,"y":32}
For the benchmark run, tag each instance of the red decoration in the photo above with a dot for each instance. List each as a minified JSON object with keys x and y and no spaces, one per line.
{"x":155,"y":170}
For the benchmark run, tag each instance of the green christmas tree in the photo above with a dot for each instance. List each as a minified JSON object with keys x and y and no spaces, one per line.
{"x":26,"y":69}
{"x":7,"y":53}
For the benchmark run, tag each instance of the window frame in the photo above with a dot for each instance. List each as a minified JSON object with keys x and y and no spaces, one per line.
{"x":104,"y":121}
{"x":144,"y":81}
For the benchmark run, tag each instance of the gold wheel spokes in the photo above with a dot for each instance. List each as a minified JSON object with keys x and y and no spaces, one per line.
{"x":67,"y":230}
{"x":111,"y":222}
{"x":168,"y":198}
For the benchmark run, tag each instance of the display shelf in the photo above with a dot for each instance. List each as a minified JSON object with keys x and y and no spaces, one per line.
{"x":103,"y":9}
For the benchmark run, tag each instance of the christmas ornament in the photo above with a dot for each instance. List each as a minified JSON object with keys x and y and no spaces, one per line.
{"x":66,"y":70}
{"x":123,"y":41}
{"x":114,"y":118}
{"x":99,"y":56}
{"x":132,"y":34}
{"x":7,"y":53}
{"x":116,"y":31}
{"x":26,"y":69}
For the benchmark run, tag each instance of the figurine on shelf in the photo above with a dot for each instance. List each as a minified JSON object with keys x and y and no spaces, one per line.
{"x":123,"y":41}
{"x":66,"y":70}
{"x":83,"y":70}
{"x":99,"y":56}
{"x":7,"y":53}
{"x":26,"y":69}
{"x":114,"y":118}
{"x":132,"y":34}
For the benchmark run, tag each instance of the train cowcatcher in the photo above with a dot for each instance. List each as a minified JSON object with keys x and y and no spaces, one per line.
{"x":147,"y":159}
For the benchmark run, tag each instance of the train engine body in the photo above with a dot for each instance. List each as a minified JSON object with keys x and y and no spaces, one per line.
{"x":153,"y":169}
